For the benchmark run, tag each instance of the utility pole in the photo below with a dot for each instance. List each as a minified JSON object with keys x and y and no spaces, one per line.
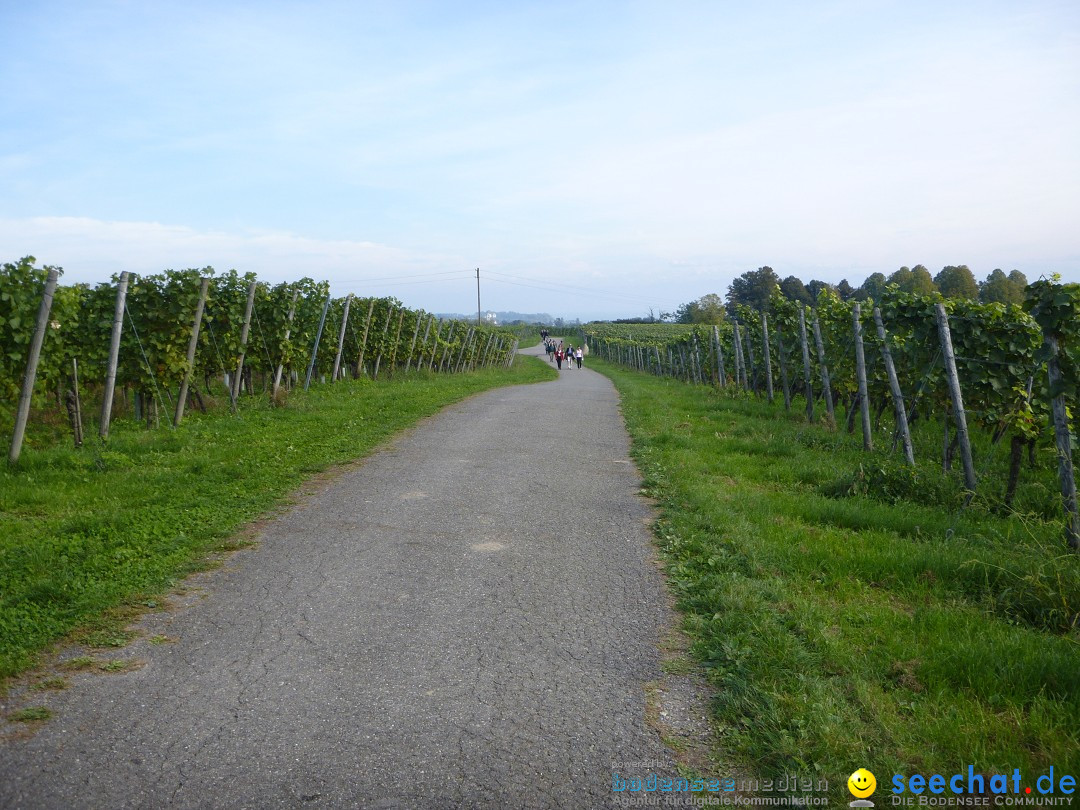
{"x":477,"y":296}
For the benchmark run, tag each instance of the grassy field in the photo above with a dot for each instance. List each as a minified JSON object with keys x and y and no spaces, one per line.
{"x":847,"y":625}
{"x":88,"y":535}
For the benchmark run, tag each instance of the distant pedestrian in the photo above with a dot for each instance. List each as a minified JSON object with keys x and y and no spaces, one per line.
{"x":578,"y":356}
{"x":559,"y":357}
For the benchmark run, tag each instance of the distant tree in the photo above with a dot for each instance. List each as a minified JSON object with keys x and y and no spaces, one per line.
{"x":1003,"y":289}
{"x":872,"y":287}
{"x":707,"y":309}
{"x":815,"y":287}
{"x":957,"y":282}
{"x":915,"y":279}
{"x":686,"y":313}
{"x":921,"y":281}
{"x":998,"y":289}
{"x":1018,"y":278}
{"x":845,"y":290}
{"x":902,"y":279}
{"x":793,"y":289}
{"x":753,"y":288}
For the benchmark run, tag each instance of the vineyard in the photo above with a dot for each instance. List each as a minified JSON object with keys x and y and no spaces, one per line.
{"x":154,"y":345}
{"x":981,"y":373}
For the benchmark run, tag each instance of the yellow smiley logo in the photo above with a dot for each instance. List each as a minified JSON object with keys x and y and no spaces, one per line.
{"x":861,"y":783}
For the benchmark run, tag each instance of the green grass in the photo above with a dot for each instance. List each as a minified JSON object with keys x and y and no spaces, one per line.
{"x":89,"y":536}
{"x":31,"y":714}
{"x":845,"y":629}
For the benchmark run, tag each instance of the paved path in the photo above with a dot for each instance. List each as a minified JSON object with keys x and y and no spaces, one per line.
{"x":467,"y":619}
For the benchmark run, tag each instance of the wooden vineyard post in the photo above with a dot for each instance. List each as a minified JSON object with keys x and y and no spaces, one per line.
{"x":740,"y":351}
{"x":74,"y":405}
{"x":781,"y":355}
{"x":460,"y":364}
{"x":433,"y":321}
{"x":193,"y":344}
{"x":318,"y":340}
{"x":382,"y":342}
{"x":363,"y":341}
{"x":23,"y":412}
{"x":114,"y":354}
{"x":484,"y":357}
{"x":235,"y":390}
{"x":824,"y":370}
{"x":1063,"y":446}
{"x":740,"y":363}
{"x":721,"y":372}
{"x":481,"y":354}
{"x":957,"y":400}
{"x":423,"y":344}
{"x":288,"y":329}
{"x":412,"y":346}
{"x":894,"y":388}
{"x":808,"y":382}
{"x":860,"y":373}
{"x":455,"y":361}
{"x":472,"y":356}
{"x":768,"y":357}
{"x":435,"y":345}
{"x":341,"y":338}
{"x":446,"y":348}
{"x":750,"y":369}
{"x":397,"y":340}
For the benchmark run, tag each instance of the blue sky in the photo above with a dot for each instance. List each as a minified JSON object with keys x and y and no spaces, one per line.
{"x":593,"y":159}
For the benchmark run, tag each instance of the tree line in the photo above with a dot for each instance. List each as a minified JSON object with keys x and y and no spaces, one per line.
{"x":755,"y":288}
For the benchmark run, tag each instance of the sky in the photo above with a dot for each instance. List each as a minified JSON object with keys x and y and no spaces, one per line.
{"x":592,"y":159}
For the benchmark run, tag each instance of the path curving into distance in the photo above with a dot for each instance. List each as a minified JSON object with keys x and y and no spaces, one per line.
{"x":468,"y":618}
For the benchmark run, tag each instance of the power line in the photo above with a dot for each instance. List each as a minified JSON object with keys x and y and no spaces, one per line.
{"x":577,"y":287}
{"x":414,"y":275}
{"x":408,"y":283}
{"x":521,"y":281}
{"x":558,"y":287}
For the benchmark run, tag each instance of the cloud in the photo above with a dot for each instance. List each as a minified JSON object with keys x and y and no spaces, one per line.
{"x":91,"y":250}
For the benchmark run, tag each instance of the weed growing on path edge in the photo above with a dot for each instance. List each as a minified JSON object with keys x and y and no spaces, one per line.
{"x":852,"y":632}
{"x":87,"y":537}
{"x":31,"y":714}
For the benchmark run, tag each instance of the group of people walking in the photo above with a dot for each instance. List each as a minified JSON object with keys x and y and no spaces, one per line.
{"x":558,"y":353}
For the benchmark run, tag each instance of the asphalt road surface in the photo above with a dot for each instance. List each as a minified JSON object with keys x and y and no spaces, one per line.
{"x":466,"y":619}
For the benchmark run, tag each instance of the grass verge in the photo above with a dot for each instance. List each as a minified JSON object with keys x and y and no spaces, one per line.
{"x":846,"y":632}
{"x":88,"y":536}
